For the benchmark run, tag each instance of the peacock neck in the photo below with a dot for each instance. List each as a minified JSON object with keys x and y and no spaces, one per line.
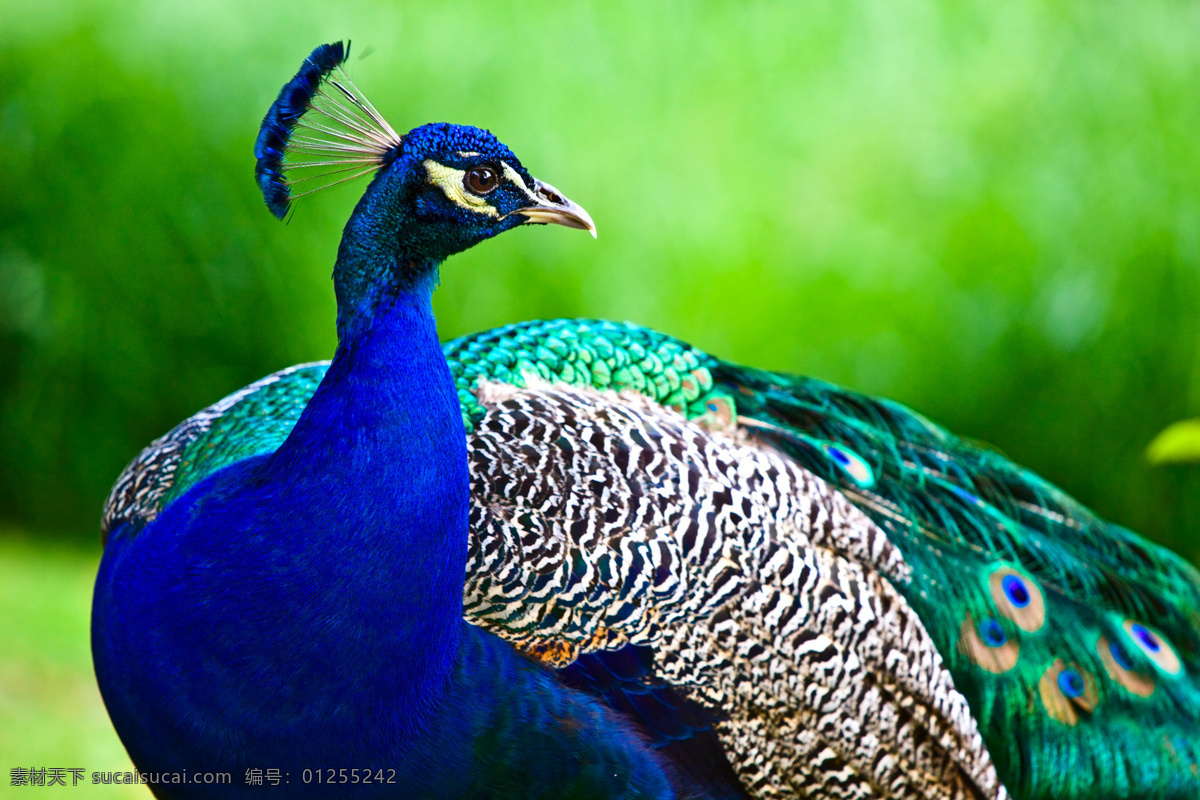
{"x":379,"y":461}
{"x":381,"y":257}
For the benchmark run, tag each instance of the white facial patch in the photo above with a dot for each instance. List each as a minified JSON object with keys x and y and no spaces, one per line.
{"x":513,"y":176}
{"x":450,"y":181}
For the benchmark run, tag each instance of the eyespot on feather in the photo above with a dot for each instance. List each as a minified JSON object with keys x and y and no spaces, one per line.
{"x":991,"y":633}
{"x":1154,"y":646}
{"x":987,"y":645}
{"x":1018,"y":597}
{"x":719,"y":414}
{"x":1066,"y":691}
{"x":1070,"y":683}
{"x":1119,"y":666}
{"x":851,"y":463}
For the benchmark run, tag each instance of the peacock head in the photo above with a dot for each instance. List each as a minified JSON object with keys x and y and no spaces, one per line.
{"x":438,"y":189}
{"x":466,"y":186}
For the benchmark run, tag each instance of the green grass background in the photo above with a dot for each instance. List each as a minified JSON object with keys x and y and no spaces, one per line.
{"x":51,"y":714}
{"x":989,"y":211}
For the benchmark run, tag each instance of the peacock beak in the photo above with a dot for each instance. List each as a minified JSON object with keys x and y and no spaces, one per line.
{"x":553,"y":207}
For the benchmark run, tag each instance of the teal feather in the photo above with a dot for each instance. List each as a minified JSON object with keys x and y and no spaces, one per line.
{"x":1070,"y":698}
{"x":959,"y":511}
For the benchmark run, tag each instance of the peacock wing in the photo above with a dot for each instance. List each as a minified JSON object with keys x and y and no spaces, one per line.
{"x":602,"y":521}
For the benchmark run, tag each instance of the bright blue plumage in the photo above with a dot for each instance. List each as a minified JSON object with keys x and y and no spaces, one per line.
{"x":683,"y":578}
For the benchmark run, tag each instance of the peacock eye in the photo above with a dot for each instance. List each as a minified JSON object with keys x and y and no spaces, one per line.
{"x":481,"y":180}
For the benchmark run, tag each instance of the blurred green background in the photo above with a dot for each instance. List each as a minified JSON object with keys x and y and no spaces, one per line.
{"x":989,"y":211}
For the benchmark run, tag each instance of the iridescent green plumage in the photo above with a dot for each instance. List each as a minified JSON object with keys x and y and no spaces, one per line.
{"x":1065,"y":685}
{"x":961,"y":513}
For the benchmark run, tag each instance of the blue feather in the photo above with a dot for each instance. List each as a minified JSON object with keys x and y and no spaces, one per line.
{"x":293,"y":101}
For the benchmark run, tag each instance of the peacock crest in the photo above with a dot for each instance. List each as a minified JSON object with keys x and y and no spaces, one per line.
{"x":321,"y":131}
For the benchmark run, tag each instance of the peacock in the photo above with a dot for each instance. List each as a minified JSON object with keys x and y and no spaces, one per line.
{"x":577,"y":558}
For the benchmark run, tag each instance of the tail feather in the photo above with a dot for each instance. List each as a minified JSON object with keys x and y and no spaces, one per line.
{"x":1063,"y":716}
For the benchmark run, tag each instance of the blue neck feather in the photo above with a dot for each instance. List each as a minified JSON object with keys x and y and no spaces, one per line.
{"x":379,"y":457}
{"x":381,"y":256}
{"x":382,"y":445}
